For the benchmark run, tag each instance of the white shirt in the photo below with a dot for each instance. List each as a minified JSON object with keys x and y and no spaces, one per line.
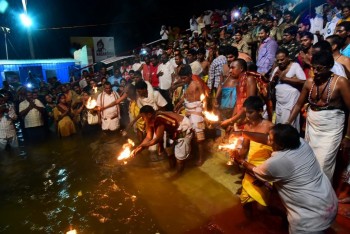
{"x":165,"y":79}
{"x":207,"y":18}
{"x":159,"y":52}
{"x":330,"y":27}
{"x":156,"y":101}
{"x":193,"y":24}
{"x":338,"y":69}
{"x":294,"y":70}
{"x":83,"y":83}
{"x":164,"y":34}
{"x":136,"y":66}
{"x":196,"y":68}
{"x":286,"y":94}
{"x":34,"y":117}
{"x":105,"y":99}
{"x":305,"y":190}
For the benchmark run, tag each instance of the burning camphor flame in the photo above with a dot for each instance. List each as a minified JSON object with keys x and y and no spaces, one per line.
{"x":211,"y":116}
{"x":91,"y":103}
{"x":231,"y":146}
{"x":72,"y":232}
{"x":126,"y":153}
{"x":202,"y":97}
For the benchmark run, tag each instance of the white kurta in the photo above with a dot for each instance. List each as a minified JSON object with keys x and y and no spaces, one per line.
{"x":165,"y":80}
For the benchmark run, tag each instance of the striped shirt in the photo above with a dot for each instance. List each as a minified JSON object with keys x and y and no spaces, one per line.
{"x":215,"y":71}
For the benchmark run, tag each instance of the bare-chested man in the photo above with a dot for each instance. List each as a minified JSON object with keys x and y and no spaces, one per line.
{"x":176,"y":86}
{"x":193,"y":105}
{"x":227,"y":92}
{"x":328,"y":96}
{"x":246,"y":87}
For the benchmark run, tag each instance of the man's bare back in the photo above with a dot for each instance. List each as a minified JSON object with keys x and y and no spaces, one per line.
{"x":193,"y":92}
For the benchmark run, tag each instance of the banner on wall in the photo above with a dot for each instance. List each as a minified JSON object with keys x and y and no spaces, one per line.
{"x":103,"y":48}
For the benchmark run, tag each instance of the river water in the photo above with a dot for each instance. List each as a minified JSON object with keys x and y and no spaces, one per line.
{"x":77,"y":183}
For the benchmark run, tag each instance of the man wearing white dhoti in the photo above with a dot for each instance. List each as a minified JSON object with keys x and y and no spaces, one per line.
{"x":289,"y":76}
{"x":328,"y":96}
{"x":177,"y":127}
{"x":193,"y":107}
{"x":108,"y":109}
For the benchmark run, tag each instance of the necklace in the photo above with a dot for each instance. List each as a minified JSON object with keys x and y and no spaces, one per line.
{"x":318,"y":95}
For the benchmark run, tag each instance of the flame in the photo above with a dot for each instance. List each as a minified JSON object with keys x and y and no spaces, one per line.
{"x":126,"y":153}
{"x":231,"y":146}
{"x":91,"y":103}
{"x":72,"y":232}
{"x":211,"y":116}
{"x":95,"y":89}
{"x":202,"y":97}
{"x":131,"y":142}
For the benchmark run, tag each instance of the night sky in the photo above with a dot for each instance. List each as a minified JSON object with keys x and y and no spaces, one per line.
{"x":130,"y":22}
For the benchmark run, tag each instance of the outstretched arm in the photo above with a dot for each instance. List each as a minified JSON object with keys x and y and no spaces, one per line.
{"x":301,"y":101}
{"x":149,"y":140}
{"x":119,"y":100}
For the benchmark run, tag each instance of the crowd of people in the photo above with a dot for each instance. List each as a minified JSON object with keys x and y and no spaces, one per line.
{"x":278,"y":81}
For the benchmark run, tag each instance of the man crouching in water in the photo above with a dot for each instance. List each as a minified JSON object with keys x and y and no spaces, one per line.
{"x":177,"y":127}
{"x":193,"y":105}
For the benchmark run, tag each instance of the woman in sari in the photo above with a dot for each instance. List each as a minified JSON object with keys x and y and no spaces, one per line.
{"x":63,"y":117}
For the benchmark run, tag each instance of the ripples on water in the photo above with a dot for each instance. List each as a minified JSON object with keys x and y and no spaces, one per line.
{"x":60,"y":184}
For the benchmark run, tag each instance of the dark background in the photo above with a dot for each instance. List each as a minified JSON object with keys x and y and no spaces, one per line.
{"x":130,"y":22}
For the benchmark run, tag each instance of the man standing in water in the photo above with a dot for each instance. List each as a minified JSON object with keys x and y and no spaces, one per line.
{"x":193,"y":106}
{"x":328,"y":96}
{"x":109,"y":111}
{"x":7,"y":128}
{"x":178,"y":128}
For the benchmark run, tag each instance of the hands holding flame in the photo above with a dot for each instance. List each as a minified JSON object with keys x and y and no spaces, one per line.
{"x":127,"y":153}
{"x":135,"y":151}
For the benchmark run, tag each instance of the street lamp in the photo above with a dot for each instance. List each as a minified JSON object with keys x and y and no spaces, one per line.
{"x":27,"y":22}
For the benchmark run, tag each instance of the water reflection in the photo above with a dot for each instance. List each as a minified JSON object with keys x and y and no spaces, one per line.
{"x":51,"y":190}
{"x":78,"y":183}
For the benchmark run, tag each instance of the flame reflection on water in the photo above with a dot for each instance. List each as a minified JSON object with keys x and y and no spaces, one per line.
{"x":57,"y":188}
